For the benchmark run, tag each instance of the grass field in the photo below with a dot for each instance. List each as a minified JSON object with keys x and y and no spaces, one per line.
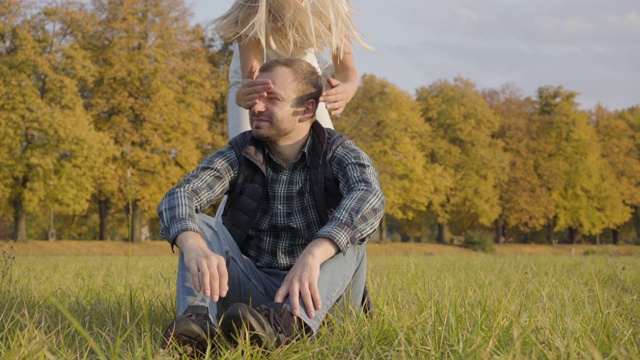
{"x":86,"y":300}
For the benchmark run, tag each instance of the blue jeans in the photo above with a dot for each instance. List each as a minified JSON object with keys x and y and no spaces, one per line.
{"x":342,"y":278}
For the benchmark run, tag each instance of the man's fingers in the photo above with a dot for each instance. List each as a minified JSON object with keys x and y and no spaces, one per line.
{"x":281,"y":295}
{"x":294,"y":298}
{"x":204,"y":277}
{"x":214,"y":281}
{"x":208,"y":271}
{"x":195,"y":277}
{"x":224,"y":279}
{"x":315,"y":295}
{"x":308,"y":301}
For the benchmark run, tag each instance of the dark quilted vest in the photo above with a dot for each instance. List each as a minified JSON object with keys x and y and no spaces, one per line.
{"x":250,"y":189}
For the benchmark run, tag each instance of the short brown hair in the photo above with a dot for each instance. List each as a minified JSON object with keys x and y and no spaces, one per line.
{"x":310,"y":85}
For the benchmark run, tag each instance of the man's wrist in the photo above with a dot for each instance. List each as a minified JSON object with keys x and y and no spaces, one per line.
{"x":320,"y":250}
{"x":186,"y":239}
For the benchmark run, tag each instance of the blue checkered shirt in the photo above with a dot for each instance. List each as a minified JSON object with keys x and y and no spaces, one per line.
{"x":287,"y":221}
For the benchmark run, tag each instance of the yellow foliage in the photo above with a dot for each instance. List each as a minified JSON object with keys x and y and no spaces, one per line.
{"x":464,"y":146}
{"x":385,"y":122}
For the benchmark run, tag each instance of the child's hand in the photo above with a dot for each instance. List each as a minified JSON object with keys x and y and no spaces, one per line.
{"x":339,"y":95}
{"x":252,"y":89}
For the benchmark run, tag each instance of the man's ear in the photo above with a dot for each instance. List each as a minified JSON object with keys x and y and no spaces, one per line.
{"x":309,"y":109}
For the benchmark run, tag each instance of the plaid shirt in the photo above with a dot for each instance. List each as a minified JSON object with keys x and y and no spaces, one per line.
{"x":287,"y":221}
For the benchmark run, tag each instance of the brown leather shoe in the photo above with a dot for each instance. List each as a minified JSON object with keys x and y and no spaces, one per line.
{"x":192,"y":332}
{"x":268,"y":325}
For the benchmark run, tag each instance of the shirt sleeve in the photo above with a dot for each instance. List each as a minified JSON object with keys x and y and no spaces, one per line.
{"x":362,"y":204}
{"x":178,"y":210}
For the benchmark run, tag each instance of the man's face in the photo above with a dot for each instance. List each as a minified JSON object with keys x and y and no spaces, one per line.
{"x":275,"y":118}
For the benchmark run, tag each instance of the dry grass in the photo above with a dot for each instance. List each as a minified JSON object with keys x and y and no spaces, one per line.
{"x":67,"y":247}
{"x":70,"y":247}
{"x":432,"y":302}
{"x":506,"y":249}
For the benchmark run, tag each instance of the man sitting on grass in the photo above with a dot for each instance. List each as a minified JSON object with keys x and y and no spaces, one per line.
{"x":302,"y":200}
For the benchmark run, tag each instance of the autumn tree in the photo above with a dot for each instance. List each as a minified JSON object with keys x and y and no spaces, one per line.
{"x":50,"y":149}
{"x":631,"y":117}
{"x":219,"y":55}
{"x":524,"y":199}
{"x":386,"y":123}
{"x":619,"y":150}
{"x":581,"y":183}
{"x":465,"y":147}
{"x":153,"y":95}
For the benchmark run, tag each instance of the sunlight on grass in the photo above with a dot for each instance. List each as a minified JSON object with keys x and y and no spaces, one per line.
{"x":426,"y":306}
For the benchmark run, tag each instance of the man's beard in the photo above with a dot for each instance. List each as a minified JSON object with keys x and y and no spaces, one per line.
{"x":275,"y":130}
{"x":266,"y":137}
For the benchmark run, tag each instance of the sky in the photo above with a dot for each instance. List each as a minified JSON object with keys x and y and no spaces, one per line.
{"x":588,"y":46}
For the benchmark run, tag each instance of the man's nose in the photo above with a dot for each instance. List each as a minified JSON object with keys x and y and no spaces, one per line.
{"x":258,"y":106}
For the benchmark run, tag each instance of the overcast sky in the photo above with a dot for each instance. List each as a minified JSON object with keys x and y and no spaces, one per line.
{"x":589,"y":46}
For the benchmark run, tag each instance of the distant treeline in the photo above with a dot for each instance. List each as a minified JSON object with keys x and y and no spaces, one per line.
{"x":106,"y":105}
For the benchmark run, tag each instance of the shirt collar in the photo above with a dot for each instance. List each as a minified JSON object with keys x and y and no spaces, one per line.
{"x":303,"y":157}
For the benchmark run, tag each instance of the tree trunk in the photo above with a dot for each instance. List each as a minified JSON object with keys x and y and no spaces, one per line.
{"x":145,"y":232}
{"x":615,"y":234}
{"x":51,"y":234}
{"x":505,"y":232}
{"x":136,"y":223}
{"x":550,"y":227}
{"x":572,"y":234}
{"x":19,"y":220}
{"x":103,"y":213}
{"x":442,"y":229}
{"x":499,"y":230}
{"x":383,"y":229}
{"x":636,"y":222}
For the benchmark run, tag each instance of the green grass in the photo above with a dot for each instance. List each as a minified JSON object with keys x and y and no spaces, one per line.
{"x":426,"y":306}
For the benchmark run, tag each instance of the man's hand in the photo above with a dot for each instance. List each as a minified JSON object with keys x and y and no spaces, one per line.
{"x":251,"y":89}
{"x":205,"y":265}
{"x":302,"y":279}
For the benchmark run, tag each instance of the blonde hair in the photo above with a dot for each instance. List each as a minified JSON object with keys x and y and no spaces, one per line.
{"x":290,"y":27}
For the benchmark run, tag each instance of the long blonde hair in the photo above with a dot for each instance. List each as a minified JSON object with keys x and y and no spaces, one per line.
{"x":290,"y":27}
